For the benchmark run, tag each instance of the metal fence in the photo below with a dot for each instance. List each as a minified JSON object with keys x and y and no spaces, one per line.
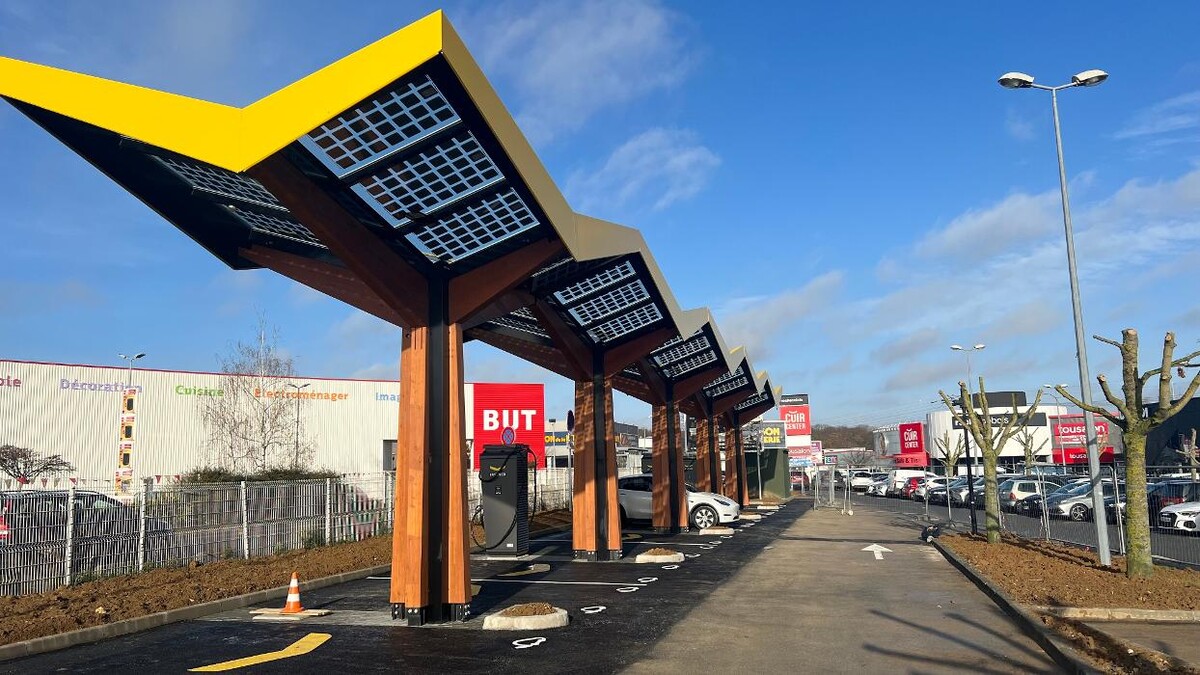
{"x":50,"y":538}
{"x":1071,"y":519}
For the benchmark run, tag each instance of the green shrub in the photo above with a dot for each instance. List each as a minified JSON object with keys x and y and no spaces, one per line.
{"x":214,"y":474}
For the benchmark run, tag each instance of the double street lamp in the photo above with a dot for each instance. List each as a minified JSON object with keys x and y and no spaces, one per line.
{"x":130,"y":359}
{"x":1088,"y":78}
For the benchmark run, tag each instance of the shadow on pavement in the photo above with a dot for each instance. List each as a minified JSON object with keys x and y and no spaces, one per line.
{"x":955,"y":619}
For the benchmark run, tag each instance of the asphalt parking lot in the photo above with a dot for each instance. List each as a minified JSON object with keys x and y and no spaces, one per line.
{"x":619,"y":610}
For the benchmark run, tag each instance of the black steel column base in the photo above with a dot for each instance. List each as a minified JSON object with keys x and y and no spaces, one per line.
{"x":416,"y":615}
{"x":664,"y":530}
{"x":458,"y":611}
{"x":589,"y":556}
{"x":397,"y":610}
{"x":612,"y":555}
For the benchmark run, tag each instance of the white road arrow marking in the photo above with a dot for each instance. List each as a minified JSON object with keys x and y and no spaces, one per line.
{"x":877,"y":550}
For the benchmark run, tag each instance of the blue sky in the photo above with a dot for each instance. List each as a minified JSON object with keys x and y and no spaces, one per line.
{"x":844,"y":185}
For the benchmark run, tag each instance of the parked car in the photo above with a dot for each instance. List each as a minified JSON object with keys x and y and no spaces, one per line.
{"x":705,"y":509}
{"x":104,"y":536}
{"x":1014,"y":490}
{"x":923,"y":487}
{"x":940,"y":494}
{"x":910,"y":486}
{"x":878,"y":487}
{"x":1171,"y":492}
{"x":1076,"y":503}
{"x":861,"y":479}
{"x":898,"y":478}
{"x":1180,"y":518}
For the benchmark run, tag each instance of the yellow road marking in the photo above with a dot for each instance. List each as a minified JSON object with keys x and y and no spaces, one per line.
{"x":628,"y":536}
{"x":298,"y":648}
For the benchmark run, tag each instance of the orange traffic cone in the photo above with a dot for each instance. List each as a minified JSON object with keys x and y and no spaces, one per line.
{"x":292,"y":606}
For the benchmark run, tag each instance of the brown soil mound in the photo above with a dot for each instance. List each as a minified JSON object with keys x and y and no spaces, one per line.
{"x":1112,"y":655}
{"x":1044,"y":573}
{"x":660,"y":551}
{"x":528,"y":609}
{"x":73,"y":607}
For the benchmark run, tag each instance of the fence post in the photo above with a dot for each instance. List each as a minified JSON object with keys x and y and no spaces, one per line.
{"x":70,"y":543}
{"x":328,"y":510}
{"x":245,"y":521}
{"x":388,"y":486}
{"x":141,"y":554}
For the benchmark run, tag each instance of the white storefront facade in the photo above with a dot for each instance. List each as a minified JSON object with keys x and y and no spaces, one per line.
{"x":347,"y":426}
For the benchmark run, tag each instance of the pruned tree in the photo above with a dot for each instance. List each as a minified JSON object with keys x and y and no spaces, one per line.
{"x":1191,"y":454}
{"x":983,"y":428}
{"x":255,"y":420}
{"x":859,"y":456}
{"x":1136,"y":422}
{"x":1025,"y":438}
{"x":25,"y":465}
{"x":951,"y":453}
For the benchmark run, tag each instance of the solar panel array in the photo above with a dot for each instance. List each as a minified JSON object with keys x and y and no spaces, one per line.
{"x":756,"y":400}
{"x":413,"y":159}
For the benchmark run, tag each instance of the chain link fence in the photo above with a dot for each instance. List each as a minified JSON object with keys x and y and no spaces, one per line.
{"x":55,"y":537}
{"x":1056,"y":507}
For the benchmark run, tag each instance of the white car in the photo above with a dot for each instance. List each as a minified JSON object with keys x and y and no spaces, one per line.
{"x":918,"y":495}
{"x":1180,"y":517}
{"x":878,"y":487}
{"x":705,"y":509}
{"x":861,"y":480}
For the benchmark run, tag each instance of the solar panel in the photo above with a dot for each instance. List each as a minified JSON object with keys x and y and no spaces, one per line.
{"x":221,"y":182}
{"x":600,"y":307}
{"x":607,"y":277}
{"x":757,"y":399}
{"x":395,"y":119}
{"x":681,"y":351}
{"x":625,"y":324}
{"x":428,"y":180}
{"x":725,"y":377}
{"x":531,"y":328}
{"x":692,"y":363}
{"x":276,"y":226}
{"x":476,"y":227}
{"x":726,"y":387}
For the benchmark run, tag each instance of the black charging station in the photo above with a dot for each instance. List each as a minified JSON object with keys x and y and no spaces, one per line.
{"x":504,"y":498}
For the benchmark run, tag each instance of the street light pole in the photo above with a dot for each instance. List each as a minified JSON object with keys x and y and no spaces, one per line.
{"x":1088,"y":78}
{"x":967,"y":436}
{"x":1058,"y":406}
{"x":296,"y":455}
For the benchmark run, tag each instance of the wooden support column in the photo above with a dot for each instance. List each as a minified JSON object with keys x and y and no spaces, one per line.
{"x":703,"y":451}
{"x":743,"y":494}
{"x":669,"y":498}
{"x":714,"y":459}
{"x":596,"y":531}
{"x":430,"y":568}
{"x":731,"y":462}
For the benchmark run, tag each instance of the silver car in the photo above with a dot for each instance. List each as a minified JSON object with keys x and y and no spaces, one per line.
{"x":705,"y":509}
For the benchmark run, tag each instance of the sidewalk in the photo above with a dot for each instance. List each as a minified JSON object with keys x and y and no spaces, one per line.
{"x":813,"y":600}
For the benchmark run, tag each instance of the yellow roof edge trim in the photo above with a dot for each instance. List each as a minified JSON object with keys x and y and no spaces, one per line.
{"x":229,"y":137}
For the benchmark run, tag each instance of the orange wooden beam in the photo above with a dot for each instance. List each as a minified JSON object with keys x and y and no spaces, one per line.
{"x":576,"y":354}
{"x":472,"y":292}
{"x":617,"y":358}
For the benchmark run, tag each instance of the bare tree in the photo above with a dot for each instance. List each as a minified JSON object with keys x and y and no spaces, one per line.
{"x":1191,"y":453}
{"x":1135,"y":421}
{"x":950,"y":453}
{"x":983,"y":427}
{"x":25,"y":465}
{"x":1024,"y":436}
{"x":254,"y":419}
{"x":859,"y":456}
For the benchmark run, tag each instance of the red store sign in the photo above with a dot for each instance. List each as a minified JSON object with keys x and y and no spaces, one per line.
{"x":520,"y":407}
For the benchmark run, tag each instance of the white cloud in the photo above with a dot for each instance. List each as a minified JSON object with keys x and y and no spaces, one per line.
{"x":1176,"y":114}
{"x":758,"y":323}
{"x":910,"y":345}
{"x":378,"y":371}
{"x":570,"y":60}
{"x":653,"y":169}
{"x":981,"y":233}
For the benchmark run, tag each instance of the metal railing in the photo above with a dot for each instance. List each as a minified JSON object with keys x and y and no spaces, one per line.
{"x":44,"y":543}
{"x":1069,"y":519}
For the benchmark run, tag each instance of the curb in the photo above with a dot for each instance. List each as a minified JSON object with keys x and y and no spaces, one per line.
{"x":1123,"y":614}
{"x":1055,"y":646}
{"x":73,"y":638}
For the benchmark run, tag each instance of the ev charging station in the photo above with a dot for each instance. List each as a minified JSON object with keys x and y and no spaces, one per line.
{"x":504,"y":496}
